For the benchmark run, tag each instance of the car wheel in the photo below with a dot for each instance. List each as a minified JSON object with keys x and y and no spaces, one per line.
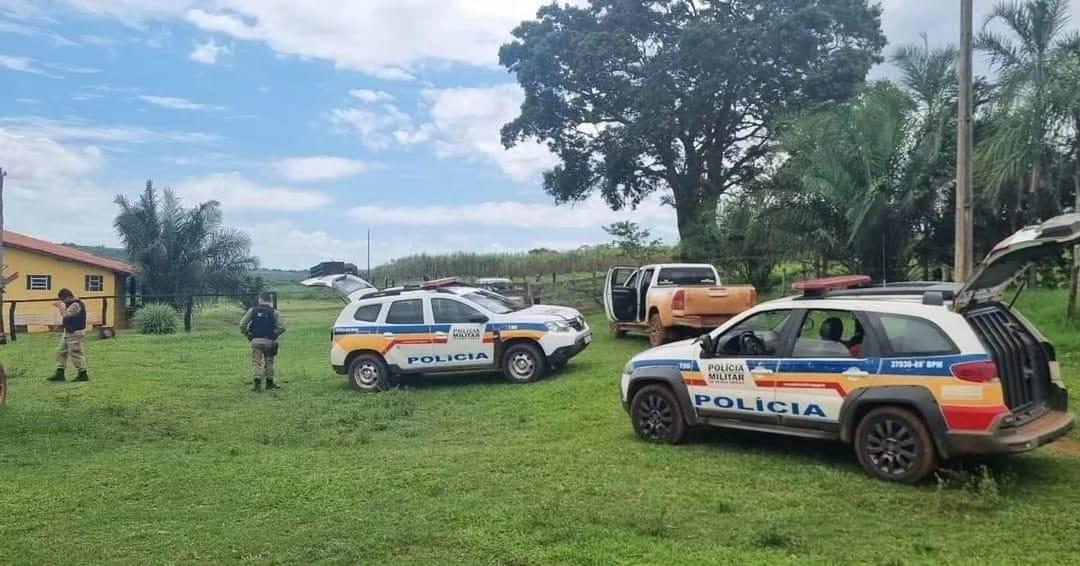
{"x":657,"y":415}
{"x":368,"y":372}
{"x":615,"y":330}
{"x":894,"y":444}
{"x":658,"y":335}
{"x":523,"y":363}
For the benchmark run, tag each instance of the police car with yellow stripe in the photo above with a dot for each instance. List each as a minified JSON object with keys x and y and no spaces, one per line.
{"x":909,"y":374}
{"x":445,"y":326}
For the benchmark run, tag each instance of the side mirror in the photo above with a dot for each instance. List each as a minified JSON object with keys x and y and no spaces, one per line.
{"x":478,"y":319}
{"x":708,"y":346}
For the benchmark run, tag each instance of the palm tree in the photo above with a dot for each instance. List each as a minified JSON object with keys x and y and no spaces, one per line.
{"x":1028,"y":116}
{"x":178,"y":250}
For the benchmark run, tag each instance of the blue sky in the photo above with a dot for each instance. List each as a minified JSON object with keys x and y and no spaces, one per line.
{"x":311,"y":122}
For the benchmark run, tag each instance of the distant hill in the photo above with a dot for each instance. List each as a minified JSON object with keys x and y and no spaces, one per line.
{"x":282,"y":275}
{"x":106,"y":252}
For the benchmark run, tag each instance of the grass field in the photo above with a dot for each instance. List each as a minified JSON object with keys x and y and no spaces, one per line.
{"x":165,"y":456}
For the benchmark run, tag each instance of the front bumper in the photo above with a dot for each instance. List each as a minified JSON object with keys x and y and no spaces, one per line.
{"x":562,"y":354}
{"x":1043,"y":430}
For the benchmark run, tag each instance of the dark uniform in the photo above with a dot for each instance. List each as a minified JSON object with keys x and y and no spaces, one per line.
{"x":71,"y":345}
{"x":263,"y":325}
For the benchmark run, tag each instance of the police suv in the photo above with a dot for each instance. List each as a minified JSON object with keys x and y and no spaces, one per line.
{"x":446,"y":326}
{"x":908,"y":374}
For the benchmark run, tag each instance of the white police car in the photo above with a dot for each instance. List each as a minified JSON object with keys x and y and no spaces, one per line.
{"x":908,"y":374}
{"x":445,"y":326}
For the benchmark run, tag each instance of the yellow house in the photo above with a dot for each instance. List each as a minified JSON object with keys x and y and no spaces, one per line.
{"x":40,"y":269}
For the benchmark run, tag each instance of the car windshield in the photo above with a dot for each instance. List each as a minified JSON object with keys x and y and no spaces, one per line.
{"x":492,"y":302}
{"x":687,"y":276}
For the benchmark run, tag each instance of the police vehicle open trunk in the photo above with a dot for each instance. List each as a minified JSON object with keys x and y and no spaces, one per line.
{"x":1022,"y":358}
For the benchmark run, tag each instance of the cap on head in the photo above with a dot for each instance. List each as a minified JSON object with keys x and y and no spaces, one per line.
{"x":65,"y":294}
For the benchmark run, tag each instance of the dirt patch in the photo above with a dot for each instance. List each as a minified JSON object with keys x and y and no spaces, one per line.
{"x":1066,"y":446}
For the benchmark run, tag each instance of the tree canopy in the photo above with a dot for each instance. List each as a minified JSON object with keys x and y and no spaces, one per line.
{"x":637,"y":96}
{"x":182,"y":250}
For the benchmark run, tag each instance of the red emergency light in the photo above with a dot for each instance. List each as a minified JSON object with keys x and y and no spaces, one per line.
{"x":436,"y":283}
{"x":821,"y":286}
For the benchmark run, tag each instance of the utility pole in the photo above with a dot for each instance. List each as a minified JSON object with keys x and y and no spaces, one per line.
{"x":964,"y":260}
{"x":369,"y":255}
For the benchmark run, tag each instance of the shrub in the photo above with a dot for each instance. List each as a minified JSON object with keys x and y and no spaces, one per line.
{"x":157,"y":318}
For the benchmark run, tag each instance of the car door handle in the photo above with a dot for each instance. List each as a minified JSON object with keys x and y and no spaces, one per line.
{"x":761,"y":370}
{"x":441,"y":334}
{"x":388,"y":334}
{"x":855,"y":372}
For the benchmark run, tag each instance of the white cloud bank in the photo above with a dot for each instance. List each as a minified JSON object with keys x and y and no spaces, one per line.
{"x":209,"y":52}
{"x":320,"y":168}
{"x":233,"y":190}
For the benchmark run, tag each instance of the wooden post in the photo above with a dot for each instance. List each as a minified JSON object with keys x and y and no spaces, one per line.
{"x":190,"y":306}
{"x":11,"y":321}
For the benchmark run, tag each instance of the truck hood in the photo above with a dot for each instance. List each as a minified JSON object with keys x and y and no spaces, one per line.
{"x":675,"y":350}
{"x":1010,"y":258}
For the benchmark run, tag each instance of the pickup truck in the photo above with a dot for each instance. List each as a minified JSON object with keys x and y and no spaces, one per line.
{"x":671,"y":300}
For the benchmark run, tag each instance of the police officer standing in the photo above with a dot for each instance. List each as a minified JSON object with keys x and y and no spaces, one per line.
{"x":263,"y":325}
{"x":73,"y":315}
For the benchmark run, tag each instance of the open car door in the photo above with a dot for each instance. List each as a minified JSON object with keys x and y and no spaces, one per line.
{"x":1009,"y":259}
{"x":348,"y":287}
{"x":620,"y":301}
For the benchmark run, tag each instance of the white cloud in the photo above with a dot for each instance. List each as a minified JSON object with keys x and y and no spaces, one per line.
{"x":234,"y":191}
{"x":23,"y":65}
{"x":375,"y":127}
{"x":320,"y":168}
{"x":370,"y":96}
{"x":467,"y":123}
{"x":174,"y":103}
{"x":49,"y":183}
{"x":586,"y":215}
{"x":84,"y":131}
{"x":208,"y":53}
{"x":386,"y":38}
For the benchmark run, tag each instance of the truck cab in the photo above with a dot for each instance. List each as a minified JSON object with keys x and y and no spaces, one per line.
{"x":671,"y":300}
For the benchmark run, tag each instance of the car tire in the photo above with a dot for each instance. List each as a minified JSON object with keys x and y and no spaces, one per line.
{"x":657,"y":415}
{"x":523,"y":363}
{"x":658,"y":335}
{"x":615,"y":330}
{"x":893,"y":444}
{"x":368,"y":372}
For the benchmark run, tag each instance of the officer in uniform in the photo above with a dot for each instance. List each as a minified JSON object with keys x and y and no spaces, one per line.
{"x":263,"y":325}
{"x":73,"y":315}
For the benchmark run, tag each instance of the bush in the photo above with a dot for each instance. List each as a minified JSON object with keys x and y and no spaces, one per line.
{"x":157,"y":319}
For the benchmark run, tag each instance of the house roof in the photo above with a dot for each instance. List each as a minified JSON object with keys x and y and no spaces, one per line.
{"x":19,"y":241}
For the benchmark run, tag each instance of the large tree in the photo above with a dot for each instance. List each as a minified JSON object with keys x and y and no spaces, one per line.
{"x":636,"y":96}
{"x":182,"y":250}
{"x":1031,"y":54}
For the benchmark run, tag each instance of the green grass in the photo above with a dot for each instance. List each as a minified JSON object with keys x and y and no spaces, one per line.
{"x":165,"y":456}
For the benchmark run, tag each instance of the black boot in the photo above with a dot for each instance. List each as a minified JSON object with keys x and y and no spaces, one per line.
{"x":270,"y":385}
{"x":83,"y":376}
{"x":58,"y":376}
{"x":258,"y":385}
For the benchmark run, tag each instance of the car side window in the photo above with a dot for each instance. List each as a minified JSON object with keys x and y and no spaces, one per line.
{"x":448,"y":311}
{"x":910,"y":336}
{"x":410,"y":311}
{"x":757,"y":336}
{"x":830,"y":334}
{"x":368,"y":313}
{"x":632,"y":280}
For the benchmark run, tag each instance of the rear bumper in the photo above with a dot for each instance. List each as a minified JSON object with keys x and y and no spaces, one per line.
{"x":563,"y":354}
{"x":1043,"y":430}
